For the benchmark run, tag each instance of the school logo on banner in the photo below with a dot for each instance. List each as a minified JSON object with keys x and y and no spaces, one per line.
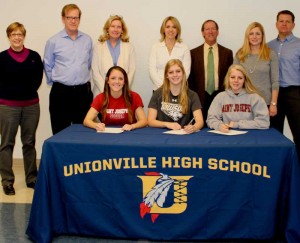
{"x":163,"y":194}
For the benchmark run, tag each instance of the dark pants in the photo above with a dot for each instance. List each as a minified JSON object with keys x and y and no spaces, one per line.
{"x":289,"y":106}
{"x":69,"y":105}
{"x":208,"y":99}
{"x":10,"y":119}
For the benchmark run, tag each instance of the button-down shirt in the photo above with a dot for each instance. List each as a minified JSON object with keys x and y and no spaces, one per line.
{"x":288,"y":52}
{"x":159,"y":57}
{"x":114,"y":51}
{"x":68,"y":61}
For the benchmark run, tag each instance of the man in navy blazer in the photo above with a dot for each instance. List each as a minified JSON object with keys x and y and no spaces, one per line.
{"x":223,"y":58}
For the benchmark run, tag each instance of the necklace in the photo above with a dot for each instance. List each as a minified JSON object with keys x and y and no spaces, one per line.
{"x":252,"y":65}
{"x":169,"y":46}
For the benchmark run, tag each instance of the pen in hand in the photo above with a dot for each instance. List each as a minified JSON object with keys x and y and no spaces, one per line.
{"x":190,"y":123}
{"x":189,"y":128}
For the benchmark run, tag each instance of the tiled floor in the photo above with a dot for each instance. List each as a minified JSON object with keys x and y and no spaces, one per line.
{"x":15,"y":210}
{"x":23,"y":194}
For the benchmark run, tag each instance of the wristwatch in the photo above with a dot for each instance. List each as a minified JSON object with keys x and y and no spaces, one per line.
{"x":273,"y":103}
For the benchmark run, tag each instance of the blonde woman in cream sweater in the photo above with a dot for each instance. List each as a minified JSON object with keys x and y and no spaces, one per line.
{"x":112,"y":49}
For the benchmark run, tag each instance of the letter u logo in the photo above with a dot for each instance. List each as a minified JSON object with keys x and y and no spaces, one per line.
{"x":155,"y":191}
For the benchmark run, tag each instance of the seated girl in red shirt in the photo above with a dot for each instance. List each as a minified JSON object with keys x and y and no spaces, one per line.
{"x":117,"y":105}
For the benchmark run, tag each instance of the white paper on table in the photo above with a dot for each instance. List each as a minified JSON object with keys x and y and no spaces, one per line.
{"x":231,"y":132}
{"x":176,"y":132}
{"x":112,"y":130}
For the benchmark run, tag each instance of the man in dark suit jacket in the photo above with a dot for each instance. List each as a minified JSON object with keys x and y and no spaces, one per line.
{"x":223,"y":58}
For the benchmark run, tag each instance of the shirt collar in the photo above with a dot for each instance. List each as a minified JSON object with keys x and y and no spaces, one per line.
{"x":163,"y":43}
{"x":214,"y":46}
{"x":64,"y":34}
{"x":118,"y":43}
{"x":288,"y":38}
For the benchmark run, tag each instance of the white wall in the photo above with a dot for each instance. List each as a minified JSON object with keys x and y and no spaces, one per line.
{"x":143,"y":18}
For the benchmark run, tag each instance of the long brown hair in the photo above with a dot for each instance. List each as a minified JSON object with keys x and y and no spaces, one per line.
{"x":125,"y":92}
{"x":183,"y":96}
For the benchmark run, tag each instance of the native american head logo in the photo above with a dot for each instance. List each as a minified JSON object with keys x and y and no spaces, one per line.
{"x":156,"y":187}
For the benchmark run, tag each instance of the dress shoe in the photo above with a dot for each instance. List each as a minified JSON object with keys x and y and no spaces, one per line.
{"x":9,"y":189}
{"x":31,"y":184}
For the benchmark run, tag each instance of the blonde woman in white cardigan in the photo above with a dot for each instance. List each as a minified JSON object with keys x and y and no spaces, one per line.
{"x":112,"y":49}
{"x":169,"y":47}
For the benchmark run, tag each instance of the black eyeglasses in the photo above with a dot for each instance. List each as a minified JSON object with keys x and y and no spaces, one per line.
{"x":16,"y":35}
{"x":70,"y":18}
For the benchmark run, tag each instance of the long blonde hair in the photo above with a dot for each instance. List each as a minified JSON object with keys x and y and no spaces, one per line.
{"x":177,"y":25}
{"x":248,"y":84}
{"x":245,"y":50}
{"x":124,"y":36}
{"x":183,"y":95}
